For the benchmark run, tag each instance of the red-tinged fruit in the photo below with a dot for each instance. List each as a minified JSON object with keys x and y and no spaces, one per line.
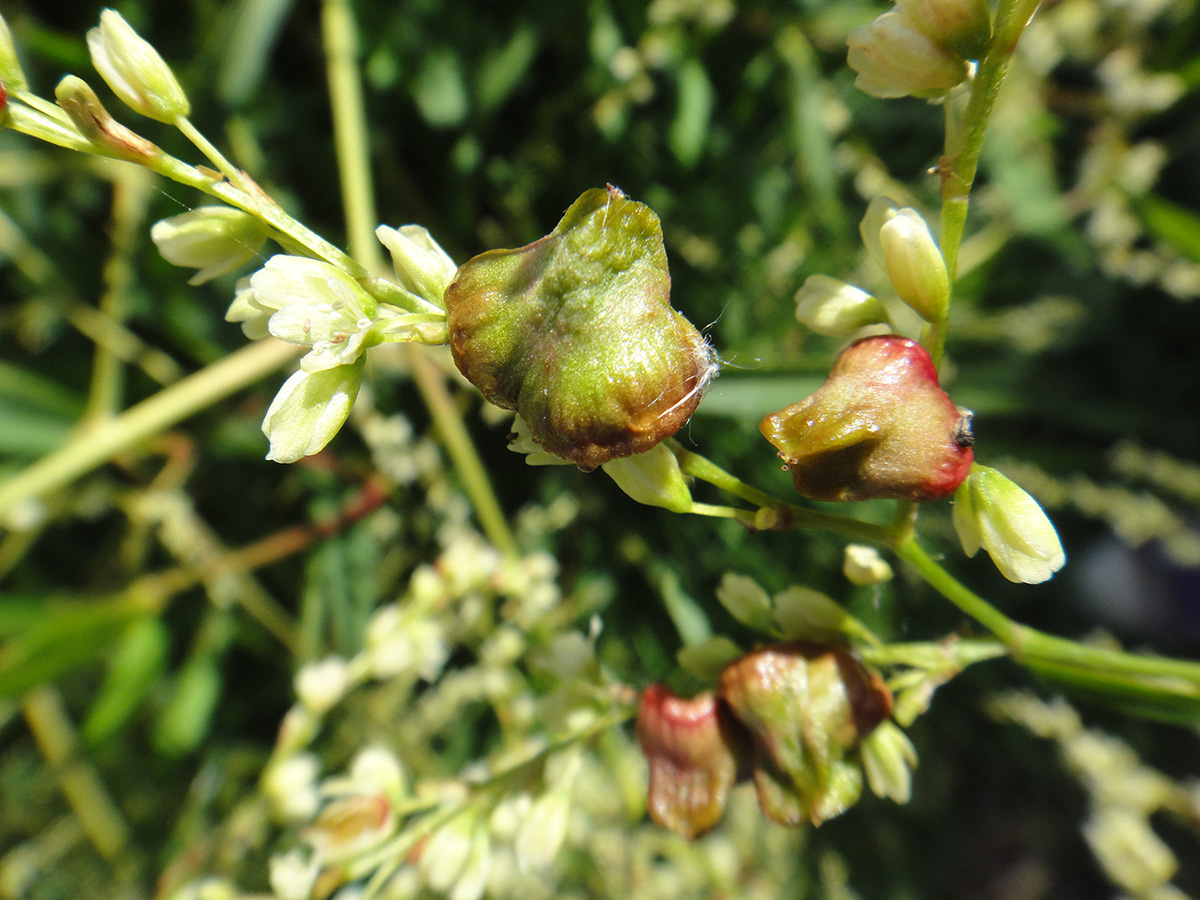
{"x":806,"y":706}
{"x":694,"y":749}
{"x":880,"y":427}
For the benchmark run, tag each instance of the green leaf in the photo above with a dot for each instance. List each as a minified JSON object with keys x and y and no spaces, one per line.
{"x":66,"y":636}
{"x":184,"y":722}
{"x":690,"y":130}
{"x":1173,"y":224}
{"x":135,"y":666}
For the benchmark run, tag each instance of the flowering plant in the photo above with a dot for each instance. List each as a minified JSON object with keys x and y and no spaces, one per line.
{"x":486,"y":679}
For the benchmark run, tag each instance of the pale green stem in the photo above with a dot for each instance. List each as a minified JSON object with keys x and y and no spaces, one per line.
{"x":86,"y":794}
{"x":457,"y":441}
{"x":354,"y":166}
{"x":745,"y":516}
{"x":215,"y":156}
{"x":958,"y":168}
{"x":350,"y":132}
{"x":698,"y":466}
{"x":131,"y":189}
{"x":1031,"y":647}
{"x":93,"y":447}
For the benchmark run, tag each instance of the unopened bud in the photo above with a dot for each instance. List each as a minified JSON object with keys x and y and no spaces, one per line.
{"x":693,"y":748}
{"x":879,"y":427}
{"x":836,"y":309}
{"x":12,"y":76}
{"x":915,"y":265}
{"x":134,"y":70}
{"x":888,"y":758}
{"x":863,"y":565}
{"x":893,"y":59}
{"x":652,"y":478}
{"x":993,"y":512}
{"x":95,"y":122}
{"x":962,"y":26}
{"x":213,"y":239}
{"x":420,"y":263}
{"x":806,"y":707}
{"x":577,"y":333}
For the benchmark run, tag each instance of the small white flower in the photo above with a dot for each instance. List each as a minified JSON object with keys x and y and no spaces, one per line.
{"x":213,"y":239}
{"x":134,"y":70}
{"x":320,"y":685}
{"x":293,"y":874}
{"x":421,"y":265}
{"x":309,"y":410}
{"x":243,"y":309}
{"x":993,"y":512}
{"x":543,"y":831}
{"x":316,"y":305}
{"x":291,"y":786}
{"x":863,"y":565}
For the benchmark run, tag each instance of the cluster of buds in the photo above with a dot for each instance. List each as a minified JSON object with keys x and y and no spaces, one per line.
{"x":789,"y":717}
{"x":920,"y":48}
{"x":576,"y":332}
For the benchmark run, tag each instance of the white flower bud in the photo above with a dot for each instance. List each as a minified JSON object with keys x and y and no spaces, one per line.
{"x":309,"y":410}
{"x":292,"y":875}
{"x":77,"y":99}
{"x":836,"y":309}
{"x":320,"y":685}
{"x":652,"y":478}
{"x":893,"y":59}
{"x":888,"y":758}
{"x":12,"y":76}
{"x":421,"y":265}
{"x":863,"y":565}
{"x":213,"y":239}
{"x":915,"y":265}
{"x":993,"y":512}
{"x":291,"y":786}
{"x":134,"y":70}
{"x":543,"y":831}
{"x":445,"y":855}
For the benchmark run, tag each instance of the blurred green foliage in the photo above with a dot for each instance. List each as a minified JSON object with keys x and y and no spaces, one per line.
{"x":1073,"y":339}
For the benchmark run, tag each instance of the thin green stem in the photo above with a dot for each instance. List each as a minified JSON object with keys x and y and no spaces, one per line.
{"x":964,"y":143}
{"x":354,"y":166}
{"x":461,"y":448}
{"x":215,"y":156}
{"x":93,"y":447}
{"x":787,"y":514}
{"x":350,"y":132}
{"x":745,"y":516}
{"x":1005,"y":629}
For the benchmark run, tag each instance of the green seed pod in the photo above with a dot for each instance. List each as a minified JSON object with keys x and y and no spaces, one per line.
{"x":806,"y":707}
{"x":576,"y":332}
